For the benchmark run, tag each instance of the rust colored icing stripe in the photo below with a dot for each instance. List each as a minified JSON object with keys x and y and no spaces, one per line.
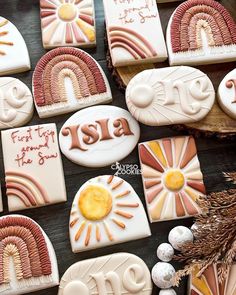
{"x":12,"y":222}
{"x":23,"y":190}
{"x":190,"y":152}
{"x":69,"y":36}
{"x":20,"y":195}
{"x":81,"y":59}
{"x":46,"y":4}
{"x":197,"y":186}
{"x":182,"y":12}
{"x":212,"y":279}
{"x":88,"y":19}
{"x":168,"y":151}
{"x":137,"y":35}
{"x":179,"y":206}
{"x":148,"y":159}
{"x":191,"y":210}
{"x":46,"y":13}
{"x":151,"y":183}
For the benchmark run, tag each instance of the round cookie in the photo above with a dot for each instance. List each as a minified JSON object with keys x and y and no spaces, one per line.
{"x":16,"y":103}
{"x":227,"y":94}
{"x":180,"y":235}
{"x":163,"y":274}
{"x":99,"y":136}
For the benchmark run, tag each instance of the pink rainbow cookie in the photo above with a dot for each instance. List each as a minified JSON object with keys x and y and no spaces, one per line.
{"x":130,"y":26}
{"x":28,"y":260}
{"x":172,"y":178}
{"x":201,"y":32}
{"x":209,"y":282}
{"x":68,"y":79}
{"x":68,"y":23}
{"x":33,"y":167}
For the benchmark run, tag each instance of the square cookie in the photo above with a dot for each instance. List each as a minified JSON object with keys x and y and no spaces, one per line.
{"x":172,"y":178}
{"x":68,"y":23}
{"x":33,"y":167}
{"x":209,"y":282}
{"x":130,"y":26}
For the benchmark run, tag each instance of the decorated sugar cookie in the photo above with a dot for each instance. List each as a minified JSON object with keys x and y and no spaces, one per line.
{"x":209,"y":283}
{"x":106,"y":211}
{"x":173,"y":95}
{"x":1,"y":205}
{"x":28,"y":260}
{"x":130,"y":26}
{"x":68,"y":23}
{"x":14,"y":56}
{"x":33,"y":167}
{"x":99,"y":136}
{"x":201,"y":32}
{"x":16,"y":103}
{"x":227,"y":94}
{"x":120,"y":273}
{"x":68,"y":79}
{"x":172,"y":178}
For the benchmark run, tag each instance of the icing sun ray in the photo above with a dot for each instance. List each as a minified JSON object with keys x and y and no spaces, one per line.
{"x":79,"y":232}
{"x":119,"y":223}
{"x":124,"y":214}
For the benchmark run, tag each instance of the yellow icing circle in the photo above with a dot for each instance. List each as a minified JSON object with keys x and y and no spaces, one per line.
{"x":95,"y":202}
{"x":67,"y":12}
{"x":174,"y":180}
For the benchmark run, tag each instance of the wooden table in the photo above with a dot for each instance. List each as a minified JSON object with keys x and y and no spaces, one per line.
{"x":215,"y":156}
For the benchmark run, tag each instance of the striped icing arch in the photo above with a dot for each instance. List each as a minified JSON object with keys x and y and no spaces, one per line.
{"x":193,"y":15}
{"x":23,"y":240}
{"x":53,"y":67}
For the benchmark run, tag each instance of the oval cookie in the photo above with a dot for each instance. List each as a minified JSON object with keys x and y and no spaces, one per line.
{"x":99,"y":136}
{"x":168,"y":96}
{"x":106,"y":211}
{"x":227,"y":94}
{"x":120,"y":273}
{"x":16,"y":103}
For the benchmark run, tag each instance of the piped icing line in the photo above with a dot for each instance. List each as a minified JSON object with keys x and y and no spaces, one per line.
{"x":4,"y":33}
{"x":219,"y":17}
{"x":232,"y":84}
{"x":83,"y":66}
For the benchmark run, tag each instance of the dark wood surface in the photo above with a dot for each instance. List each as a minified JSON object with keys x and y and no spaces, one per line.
{"x":215,"y":156}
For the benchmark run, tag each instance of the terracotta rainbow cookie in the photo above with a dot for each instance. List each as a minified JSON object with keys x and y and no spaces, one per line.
{"x":16,"y":103}
{"x":227,"y":94}
{"x":130,"y":26}
{"x":173,"y":95}
{"x":68,"y":23}
{"x":201,"y":32}
{"x":14,"y":56}
{"x":172,"y":178}
{"x":28,"y":261}
{"x":99,"y":136}
{"x":33,"y":167}
{"x":105,"y":211}
{"x":67,"y":79}
{"x":209,"y":284}
{"x":120,"y":273}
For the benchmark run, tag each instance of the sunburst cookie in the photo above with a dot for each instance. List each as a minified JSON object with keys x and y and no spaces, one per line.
{"x":172,"y":178}
{"x":68,"y":23}
{"x":14,"y":56}
{"x":106,"y":211}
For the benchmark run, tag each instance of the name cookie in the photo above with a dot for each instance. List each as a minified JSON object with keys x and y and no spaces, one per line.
{"x":68,"y":79}
{"x":120,"y":273}
{"x":130,"y":25}
{"x":227,"y":94}
{"x":172,"y":178}
{"x":208,"y":282}
{"x":67,"y":23}
{"x":106,"y":211}
{"x":33,"y":167}
{"x":168,"y":96}
{"x":99,"y":136}
{"x":201,"y":32}
{"x":14,"y":56}
{"x":16,"y":103}
{"x":28,"y":260}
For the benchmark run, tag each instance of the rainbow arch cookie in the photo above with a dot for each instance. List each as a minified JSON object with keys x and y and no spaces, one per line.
{"x":172,"y":178}
{"x":67,"y":79}
{"x":201,"y":32}
{"x":106,"y":211}
{"x":68,"y":23}
{"x":33,"y":265}
{"x":209,"y":284}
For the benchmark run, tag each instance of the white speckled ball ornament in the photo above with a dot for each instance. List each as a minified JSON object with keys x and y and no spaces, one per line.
{"x":165,"y":252}
{"x":167,"y":292}
{"x":163,"y":274}
{"x":179,"y":235}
